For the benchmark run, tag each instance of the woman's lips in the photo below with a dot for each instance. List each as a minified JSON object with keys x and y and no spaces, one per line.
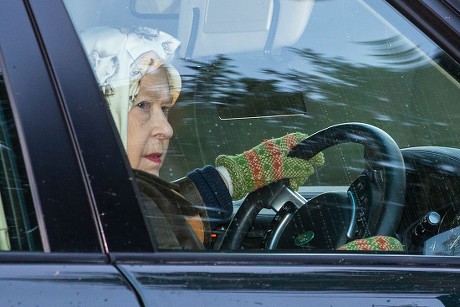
{"x":154,"y":157}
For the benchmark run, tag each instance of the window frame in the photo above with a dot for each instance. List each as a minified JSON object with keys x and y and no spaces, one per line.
{"x":439,"y":20}
{"x":67,"y":216}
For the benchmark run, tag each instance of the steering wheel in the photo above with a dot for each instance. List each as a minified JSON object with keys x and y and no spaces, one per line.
{"x":372,"y":205}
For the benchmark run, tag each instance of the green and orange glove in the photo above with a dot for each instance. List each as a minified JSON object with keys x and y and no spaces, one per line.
{"x":377,"y":243}
{"x":266,"y":163}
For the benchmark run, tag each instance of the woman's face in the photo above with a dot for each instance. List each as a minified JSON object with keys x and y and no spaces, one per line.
{"x":148,"y":128}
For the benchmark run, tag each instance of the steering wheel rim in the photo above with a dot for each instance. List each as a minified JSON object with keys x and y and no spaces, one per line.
{"x":382,"y":155}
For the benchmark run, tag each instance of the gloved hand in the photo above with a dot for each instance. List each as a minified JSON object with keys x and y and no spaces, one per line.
{"x":377,"y":243}
{"x":266,"y":163}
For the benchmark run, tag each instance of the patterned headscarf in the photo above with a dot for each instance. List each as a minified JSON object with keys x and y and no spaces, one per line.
{"x":121,"y":57}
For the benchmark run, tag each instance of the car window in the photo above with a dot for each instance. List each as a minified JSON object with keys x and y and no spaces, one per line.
{"x":18,"y":224}
{"x":253,"y":71}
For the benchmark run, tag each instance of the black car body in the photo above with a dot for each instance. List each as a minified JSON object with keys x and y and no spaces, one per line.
{"x":78,"y":237}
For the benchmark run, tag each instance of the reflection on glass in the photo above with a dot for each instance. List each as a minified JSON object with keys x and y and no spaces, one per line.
{"x":249,"y":75}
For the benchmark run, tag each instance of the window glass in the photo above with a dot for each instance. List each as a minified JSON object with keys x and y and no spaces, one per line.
{"x":257,"y":70}
{"x":18,"y":223}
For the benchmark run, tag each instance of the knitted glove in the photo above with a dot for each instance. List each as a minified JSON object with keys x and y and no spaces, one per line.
{"x":267,"y":163}
{"x":377,"y":243}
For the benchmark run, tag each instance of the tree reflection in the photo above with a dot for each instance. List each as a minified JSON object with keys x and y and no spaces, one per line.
{"x":382,"y":93}
{"x":401,"y":91}
{"x":324,"y":79}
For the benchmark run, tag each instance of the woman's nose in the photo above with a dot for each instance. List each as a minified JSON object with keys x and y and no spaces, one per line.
{"x":162,"y":129}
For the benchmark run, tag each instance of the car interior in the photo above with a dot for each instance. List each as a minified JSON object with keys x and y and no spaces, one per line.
{"x":373,"y":93}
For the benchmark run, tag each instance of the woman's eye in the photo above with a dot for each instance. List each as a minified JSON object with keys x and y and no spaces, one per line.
{"x":143,"y":105}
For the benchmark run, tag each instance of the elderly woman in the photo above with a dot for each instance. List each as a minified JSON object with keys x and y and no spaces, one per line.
{"x":132,"y":69}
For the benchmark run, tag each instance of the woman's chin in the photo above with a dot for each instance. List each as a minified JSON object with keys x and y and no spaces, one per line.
{"x":151,"y":169}
{"x":148,"y":167}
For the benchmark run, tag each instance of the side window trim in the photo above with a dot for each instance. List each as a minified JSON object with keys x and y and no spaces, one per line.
{"x":65,"y":220}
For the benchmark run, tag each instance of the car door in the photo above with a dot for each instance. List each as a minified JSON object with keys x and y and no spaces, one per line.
{"x":52,"y":251}
{"x":119,"y":236}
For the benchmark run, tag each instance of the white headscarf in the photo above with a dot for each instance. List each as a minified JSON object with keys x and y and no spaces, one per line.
{"x":120,"y":57}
